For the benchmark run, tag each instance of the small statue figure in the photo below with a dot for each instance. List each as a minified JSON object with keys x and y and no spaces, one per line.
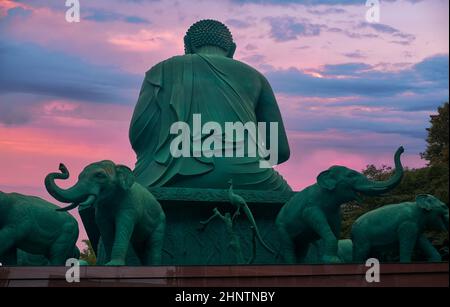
{"x":235,"y":243}
{"x":400,"y":226}
{"x":31,"y":225}
{"x":126,"y":213}
{"x":240,"y":203}
{"x":314,"y":213}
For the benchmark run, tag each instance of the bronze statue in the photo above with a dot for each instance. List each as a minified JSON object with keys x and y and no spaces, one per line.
{"x":205,"y":82}
{"x":31,"y":225}
{"x":314,"y":212}
{"x":126,"y":213}
{"x":400,"y":227}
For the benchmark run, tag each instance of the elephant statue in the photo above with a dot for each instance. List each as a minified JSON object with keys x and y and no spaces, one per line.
{"x":314,"y":213}
{"x":31,"y":225}
{"x":400,"y":226}
{"x":126,"y":213}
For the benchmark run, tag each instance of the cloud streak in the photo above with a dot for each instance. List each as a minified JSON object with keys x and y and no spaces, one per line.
{"x":362,"y":80}
{"x":99,"y":15}
{"x":29,"y":68}
{"x":288,"y":28}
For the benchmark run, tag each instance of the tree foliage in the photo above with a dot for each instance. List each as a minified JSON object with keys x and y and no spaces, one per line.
{"x":87,"y":254}
{"x":437,"y":149}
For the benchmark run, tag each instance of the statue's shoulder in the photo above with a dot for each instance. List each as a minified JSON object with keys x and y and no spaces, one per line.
{"x":248,"y":71}
{"x":246,"y":66}
{"x":157,"y":69}
{"x":155,"y":74}
{"x":254,"y":71}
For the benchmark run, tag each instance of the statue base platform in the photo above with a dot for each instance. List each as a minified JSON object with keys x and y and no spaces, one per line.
{"x":188,"y":242}
{"x":392,"y":275}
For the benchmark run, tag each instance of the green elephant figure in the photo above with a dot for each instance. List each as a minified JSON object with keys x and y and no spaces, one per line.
{"x":400,"y":226}
{"x":126,"y":213}
{"x":31,"y":225}
{"x":314,"y":213}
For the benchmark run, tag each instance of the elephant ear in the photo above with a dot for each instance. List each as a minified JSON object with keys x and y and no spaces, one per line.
{"x":125,"y":177}
{"x":325,"y":180}
{"x":424,"y":201}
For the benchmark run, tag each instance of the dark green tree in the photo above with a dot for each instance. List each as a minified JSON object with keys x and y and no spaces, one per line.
{"x":437,"y":149}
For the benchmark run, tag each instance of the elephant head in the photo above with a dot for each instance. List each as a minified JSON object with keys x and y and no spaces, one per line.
{"x":97,"y":183}
{"x":435,"y":211}
{"x":347,"y":184}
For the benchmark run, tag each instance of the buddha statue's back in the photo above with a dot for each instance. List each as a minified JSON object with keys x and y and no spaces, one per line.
{"x":202,"y":87}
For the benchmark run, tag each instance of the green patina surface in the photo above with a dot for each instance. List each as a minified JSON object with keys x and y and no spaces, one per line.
{"x":126,"y":215}
{"x":205,"y":81}
{"x":32,"y":225}
{"x":400,"y":227}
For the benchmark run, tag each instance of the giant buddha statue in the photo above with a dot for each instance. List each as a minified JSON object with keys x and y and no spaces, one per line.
{"x":207,"y":84}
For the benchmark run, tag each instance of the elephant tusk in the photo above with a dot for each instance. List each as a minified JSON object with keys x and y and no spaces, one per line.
{"x":88,"y":202}
{"x":68,"y":208}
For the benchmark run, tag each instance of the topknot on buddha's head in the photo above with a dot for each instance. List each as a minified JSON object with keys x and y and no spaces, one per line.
{"x":209,"y":32}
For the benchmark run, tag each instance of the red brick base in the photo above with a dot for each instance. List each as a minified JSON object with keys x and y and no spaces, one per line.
{"x":392,"y":275}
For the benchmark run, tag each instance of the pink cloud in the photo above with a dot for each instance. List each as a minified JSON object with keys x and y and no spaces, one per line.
{"x":6,"y":5}
{"x":145,"y":40}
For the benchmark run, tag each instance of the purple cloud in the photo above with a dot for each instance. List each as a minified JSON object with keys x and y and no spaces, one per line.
{"x":29,"y":68}
{"x":288,"y":28}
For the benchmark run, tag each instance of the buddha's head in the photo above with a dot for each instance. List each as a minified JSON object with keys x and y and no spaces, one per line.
{"x":209,"y":33}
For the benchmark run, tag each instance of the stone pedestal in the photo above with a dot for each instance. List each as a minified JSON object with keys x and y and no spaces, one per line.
{"x":188,"y":243}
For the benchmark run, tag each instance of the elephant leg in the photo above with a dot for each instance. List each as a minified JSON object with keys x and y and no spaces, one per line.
{"x":7,"y":240}
{"x":125,"y":224}
{"x":63,"y":248}
{"x":136,"y":254}
{"x":429,"y":250}
{"x":336,"y":224}
{"x":287,"y":245}
{"x":106,"y":240}
{"x":407,"y":233}
{"x":154,"y":246}
{"x":318,"y":222}
{"x":101,"y":253}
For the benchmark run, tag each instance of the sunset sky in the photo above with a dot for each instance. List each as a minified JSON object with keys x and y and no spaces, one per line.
{"x":350,"y":91}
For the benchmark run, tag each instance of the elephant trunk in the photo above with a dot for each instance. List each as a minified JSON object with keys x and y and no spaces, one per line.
{"x":379,"y":187}
{"x":74,"y":194}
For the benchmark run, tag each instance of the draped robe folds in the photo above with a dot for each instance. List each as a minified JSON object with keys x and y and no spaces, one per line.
{"x":221,"y":90}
